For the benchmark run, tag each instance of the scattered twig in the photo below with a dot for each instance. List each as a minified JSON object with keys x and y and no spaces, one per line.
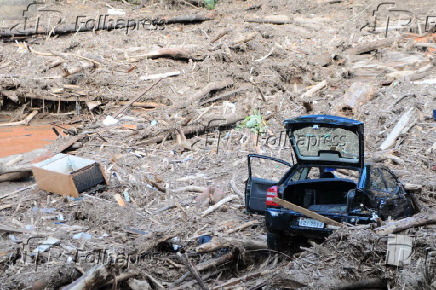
{"x":160,"y":76}
{"x":220,"y":35}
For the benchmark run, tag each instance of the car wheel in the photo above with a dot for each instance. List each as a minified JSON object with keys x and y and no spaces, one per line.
{"x":411,"y":208}
{"x":295,"y":243}
{"x":277,"y":241}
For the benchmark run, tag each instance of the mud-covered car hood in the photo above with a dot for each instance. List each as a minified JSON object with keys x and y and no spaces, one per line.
{"x":327,"y":140}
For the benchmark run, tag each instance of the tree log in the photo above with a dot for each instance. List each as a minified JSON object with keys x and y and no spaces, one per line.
{"x":407,"y":223}
{"x":203,"y":93}
{"x":314,"y":89}
{"x":190,"y":18}
{"x":270,"y":19}
{"x":367,"y":47}
{"x":168,"y":52}
{"x":213,"y":122}
{"x":215,"y":262}
{"x":376,"y":283}
{"x":91,"y":279}
{"x":402,"y":126}
{"x":357,"y":95}
{"x":15,"y":176}
{"x":218,"y":243}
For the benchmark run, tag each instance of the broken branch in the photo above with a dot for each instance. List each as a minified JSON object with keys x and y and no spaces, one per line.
{"x":314,"y":89}
{"x":192,"y":269}
{"x":22,"y":122}
{"x":218,"y":204}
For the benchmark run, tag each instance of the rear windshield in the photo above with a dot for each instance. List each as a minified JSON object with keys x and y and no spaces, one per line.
{"x":313,"y":139}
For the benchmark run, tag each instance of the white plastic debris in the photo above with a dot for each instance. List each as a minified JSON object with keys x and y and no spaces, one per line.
{"x":82,"y":236}
{"x":399,"y":250}
{"x":47,"y":244}
{"x":110,"y":121}
{"x":113,"y":11}
{"x":15,"y":239}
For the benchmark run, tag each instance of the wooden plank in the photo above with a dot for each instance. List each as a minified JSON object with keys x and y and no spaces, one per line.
{"x":307,"y":212}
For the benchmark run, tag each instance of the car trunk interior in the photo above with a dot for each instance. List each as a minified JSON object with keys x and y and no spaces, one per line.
{"x":328,"y":195}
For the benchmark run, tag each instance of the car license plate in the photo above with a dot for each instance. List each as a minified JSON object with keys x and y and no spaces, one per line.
{"x":310,"y":223}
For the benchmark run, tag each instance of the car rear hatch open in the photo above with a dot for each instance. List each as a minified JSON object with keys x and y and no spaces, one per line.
{"x":326,"y":140}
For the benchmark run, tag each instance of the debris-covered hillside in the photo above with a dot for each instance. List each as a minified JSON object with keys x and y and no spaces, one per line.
{"x":169,"y":98}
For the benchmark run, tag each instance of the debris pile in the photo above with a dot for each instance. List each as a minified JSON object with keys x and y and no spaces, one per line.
{"x":169,"y":111}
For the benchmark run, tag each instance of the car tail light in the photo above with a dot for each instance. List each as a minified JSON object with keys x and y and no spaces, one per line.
{"x":270,"y":194}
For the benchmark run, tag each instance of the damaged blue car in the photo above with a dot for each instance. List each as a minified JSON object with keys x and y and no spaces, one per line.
{"x":329,"y":177}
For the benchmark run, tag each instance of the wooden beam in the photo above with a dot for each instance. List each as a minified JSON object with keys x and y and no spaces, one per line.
{"x":307,"y":212}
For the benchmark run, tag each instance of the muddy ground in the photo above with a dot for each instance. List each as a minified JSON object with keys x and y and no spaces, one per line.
{"x":160,"y":170}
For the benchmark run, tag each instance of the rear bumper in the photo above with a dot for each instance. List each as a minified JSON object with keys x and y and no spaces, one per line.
{"x":278,"y":220}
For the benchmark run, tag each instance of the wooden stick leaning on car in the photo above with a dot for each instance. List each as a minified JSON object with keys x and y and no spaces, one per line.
{"x":307,"y":212}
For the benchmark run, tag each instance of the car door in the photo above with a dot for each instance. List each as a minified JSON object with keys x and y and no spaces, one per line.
{"x":403,"y":202}
{"x":263,"y":174}
{"x":389,"y":193}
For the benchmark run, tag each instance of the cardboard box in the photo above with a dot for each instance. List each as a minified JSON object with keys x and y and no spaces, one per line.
{"x":67,"y":174}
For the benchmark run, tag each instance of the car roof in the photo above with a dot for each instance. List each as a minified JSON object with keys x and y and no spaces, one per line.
{"x":324,"y":119}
